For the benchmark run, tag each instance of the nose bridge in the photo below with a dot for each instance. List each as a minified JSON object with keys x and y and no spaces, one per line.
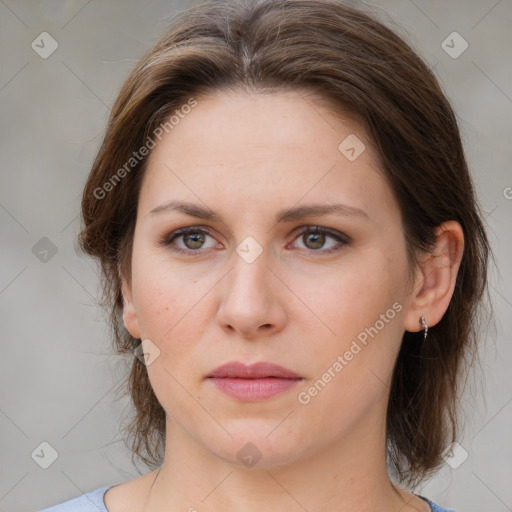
{"x":250,"y":274}
{"x":249,"y":298}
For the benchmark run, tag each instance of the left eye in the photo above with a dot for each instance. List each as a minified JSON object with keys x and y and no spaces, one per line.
{"x":314,"y":240}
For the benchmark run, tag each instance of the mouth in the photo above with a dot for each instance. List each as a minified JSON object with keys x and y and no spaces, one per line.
{"x":259,"y":381}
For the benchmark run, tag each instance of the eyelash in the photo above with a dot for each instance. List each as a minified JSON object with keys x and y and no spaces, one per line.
{"x":339,"y":237}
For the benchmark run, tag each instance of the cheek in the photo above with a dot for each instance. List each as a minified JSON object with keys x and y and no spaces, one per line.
{"x":355,"y":297}
{"x":362,"y":304}
{"x":155,"y":304}
{"x":174,"y":309}
{"x":172,"y":312}
{"x":162,"y":293}
{"x":351,"y":369}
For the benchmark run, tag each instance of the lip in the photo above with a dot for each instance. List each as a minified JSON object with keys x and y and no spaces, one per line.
{"x":258,"y":381}
{"x":260,"y":370}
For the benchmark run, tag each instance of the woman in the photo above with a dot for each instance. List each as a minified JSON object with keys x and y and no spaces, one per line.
{"x":292,"y":250}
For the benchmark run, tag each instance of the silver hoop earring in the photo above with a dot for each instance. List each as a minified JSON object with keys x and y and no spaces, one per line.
{"x":425,"y":327}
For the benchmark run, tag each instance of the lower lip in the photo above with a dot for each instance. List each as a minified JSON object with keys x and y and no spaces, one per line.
{"x":253,"y":389}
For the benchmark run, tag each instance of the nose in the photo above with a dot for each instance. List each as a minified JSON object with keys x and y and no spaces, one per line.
{"x":252,"y":302}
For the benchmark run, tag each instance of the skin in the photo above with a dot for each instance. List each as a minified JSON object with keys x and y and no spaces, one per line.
{"x":247,"y":156}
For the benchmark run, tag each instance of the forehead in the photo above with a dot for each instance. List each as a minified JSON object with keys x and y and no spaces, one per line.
{"x":245,"y":145}
{"x":252,"y":122}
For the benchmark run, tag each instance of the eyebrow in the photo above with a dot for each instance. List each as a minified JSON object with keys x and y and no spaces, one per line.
{"x":287,"y":215}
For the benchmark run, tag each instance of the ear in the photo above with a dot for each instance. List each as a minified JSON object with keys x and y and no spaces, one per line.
{"x":436,"y":277}
{"x":130,"y":319}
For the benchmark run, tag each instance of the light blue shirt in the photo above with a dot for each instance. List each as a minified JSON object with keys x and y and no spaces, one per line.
{"x":93,"y":502}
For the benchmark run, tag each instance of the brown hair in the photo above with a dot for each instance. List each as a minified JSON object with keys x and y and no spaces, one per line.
{"x":365,"y":70}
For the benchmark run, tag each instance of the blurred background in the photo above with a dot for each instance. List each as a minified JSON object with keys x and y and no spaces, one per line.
{"x":62,"y":63}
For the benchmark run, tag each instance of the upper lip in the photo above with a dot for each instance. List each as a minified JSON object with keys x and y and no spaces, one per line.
{"x":237,"y":369}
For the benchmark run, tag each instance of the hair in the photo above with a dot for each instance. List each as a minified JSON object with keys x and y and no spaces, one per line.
{"x":366,"y":71}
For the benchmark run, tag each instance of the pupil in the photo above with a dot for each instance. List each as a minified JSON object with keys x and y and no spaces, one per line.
{"x":318,"y":240}
{"x":196,"y":238}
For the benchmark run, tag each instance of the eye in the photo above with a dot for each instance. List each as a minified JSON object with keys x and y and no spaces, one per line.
{"x":192,"y":239}
{"x":314,"y":239}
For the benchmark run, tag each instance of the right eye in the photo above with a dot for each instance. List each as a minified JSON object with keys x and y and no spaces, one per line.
{"x":192,"y":239}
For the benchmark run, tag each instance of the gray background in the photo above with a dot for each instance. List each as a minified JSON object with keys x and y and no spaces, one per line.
{"x":57,"y":377}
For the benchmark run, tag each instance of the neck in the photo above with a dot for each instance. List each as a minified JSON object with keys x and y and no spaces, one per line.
{"x":348,"y":475}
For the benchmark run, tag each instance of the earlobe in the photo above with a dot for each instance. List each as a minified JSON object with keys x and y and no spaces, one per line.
{"x":436,"y":279}
{"x":130,"y":319}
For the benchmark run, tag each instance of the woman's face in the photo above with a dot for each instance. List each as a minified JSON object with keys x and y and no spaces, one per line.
{"x":255,"y":283}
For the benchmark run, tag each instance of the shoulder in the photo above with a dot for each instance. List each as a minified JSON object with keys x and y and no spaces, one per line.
{"x":435,"y":507}
{"x":90,"y":502}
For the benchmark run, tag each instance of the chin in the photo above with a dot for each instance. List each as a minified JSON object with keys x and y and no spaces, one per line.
{"x":259,"y":445}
